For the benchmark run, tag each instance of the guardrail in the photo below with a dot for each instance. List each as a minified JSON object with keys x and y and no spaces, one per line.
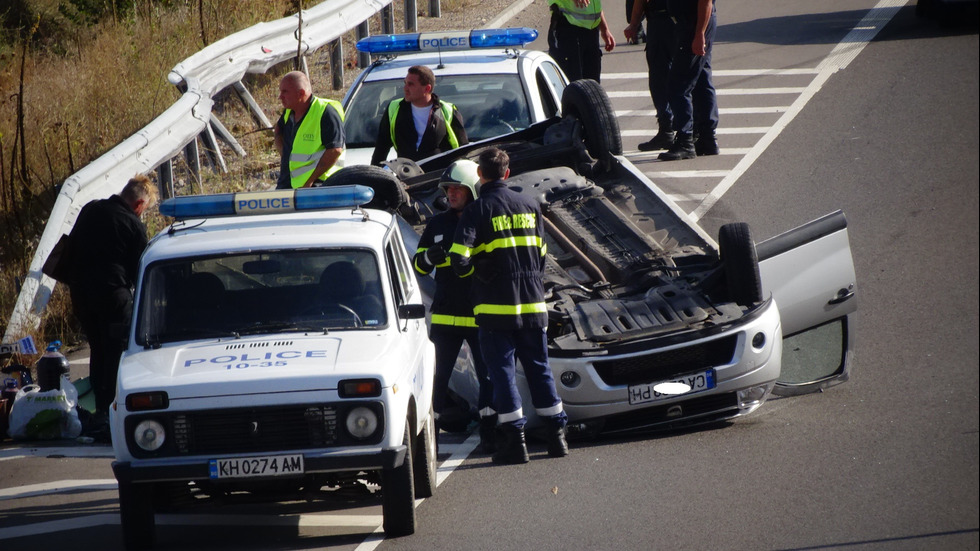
{"x":200,"y":77}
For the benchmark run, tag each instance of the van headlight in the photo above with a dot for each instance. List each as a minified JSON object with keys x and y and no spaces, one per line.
{"x":362,"y":422}
{"x":149,"y":435}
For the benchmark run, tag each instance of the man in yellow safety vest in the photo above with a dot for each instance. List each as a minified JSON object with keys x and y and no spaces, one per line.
{"x":309,"y":135}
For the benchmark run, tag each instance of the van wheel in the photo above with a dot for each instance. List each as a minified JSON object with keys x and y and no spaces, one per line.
{"x":741,"y":263}
{"x":427,"y":451}
{"x":398,"y":494}
{"x":136,"y":515}
{"x":587,"y":101}
{"x":388,"y":191}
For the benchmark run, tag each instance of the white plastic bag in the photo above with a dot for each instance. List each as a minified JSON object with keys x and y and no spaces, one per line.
{"x":46,"y":415}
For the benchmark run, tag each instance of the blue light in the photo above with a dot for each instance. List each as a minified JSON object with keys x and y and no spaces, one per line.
{"x":447,"y":41}
{"x":266,"y":202}
{"x":502,"y":38}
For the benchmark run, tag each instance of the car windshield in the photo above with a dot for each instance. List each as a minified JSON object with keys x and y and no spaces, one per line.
{"x":491,"y":105}
{"x":259,"y":293}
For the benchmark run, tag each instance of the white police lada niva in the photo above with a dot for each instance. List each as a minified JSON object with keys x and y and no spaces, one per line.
{"x":278,"y":346}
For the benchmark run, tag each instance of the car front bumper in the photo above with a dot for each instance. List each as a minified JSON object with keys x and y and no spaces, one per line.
{"x":198,"y":468}
{"x":743,"y":380}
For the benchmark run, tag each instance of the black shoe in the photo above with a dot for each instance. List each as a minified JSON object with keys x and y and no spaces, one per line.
{"x":663,"y":140}
{"x":557,"y":445}
{"x":512,"y":449}
{"x":488,"y":429}
{"x":705,"y":144}
{"x":683,"y":148}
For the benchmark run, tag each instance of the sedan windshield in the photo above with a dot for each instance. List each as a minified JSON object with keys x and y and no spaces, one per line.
{"x":491,"y":105}
{"x":259,"y":293}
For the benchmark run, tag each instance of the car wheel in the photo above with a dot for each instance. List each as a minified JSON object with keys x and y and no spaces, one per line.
{"x":741,"y":263}
{"x":388,"y":191}
{"x":426,"y":453}
{"x":398,"y":494}
{"x":587,"y":101}
{"x":136,"y":515}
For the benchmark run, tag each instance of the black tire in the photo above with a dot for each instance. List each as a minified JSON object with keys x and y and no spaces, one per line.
{"x":587,"y":101}
{"x":136,"y":515}
{"x":426,"y":454}
{"x":398,"y":494}
{"x":741,"y":263}
{"x":388,"y":191}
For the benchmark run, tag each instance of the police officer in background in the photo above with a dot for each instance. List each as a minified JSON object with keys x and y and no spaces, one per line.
{"x":103,"y":256}
{"x":309,"y":135}
{"x":660,"y":48}
{"x":693,"y":102}
{"x":452,"y":320}
{"x":420,"y":125}
{"x":573,"y":37}
{"x":500,"y":242}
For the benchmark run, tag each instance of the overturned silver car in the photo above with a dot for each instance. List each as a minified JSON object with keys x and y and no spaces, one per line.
{"x":653,"y":323}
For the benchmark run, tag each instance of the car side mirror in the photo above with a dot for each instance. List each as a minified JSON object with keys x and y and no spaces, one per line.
{"x":411,"y":311}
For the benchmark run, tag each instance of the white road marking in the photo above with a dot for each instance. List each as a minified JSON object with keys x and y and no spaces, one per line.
{"x":720,"y":92}
{"x":841,"y":56}
{"x":56,"y":487}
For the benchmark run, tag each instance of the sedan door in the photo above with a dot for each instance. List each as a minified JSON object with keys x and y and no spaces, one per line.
{"x":810,"y":273}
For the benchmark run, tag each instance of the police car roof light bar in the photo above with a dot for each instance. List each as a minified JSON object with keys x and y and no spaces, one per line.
{"x":446,"y":41}
{"x":265,"y":202}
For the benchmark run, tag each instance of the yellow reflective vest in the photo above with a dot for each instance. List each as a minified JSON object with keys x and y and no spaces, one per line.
{"x":308,"y":144}
{"x":447,"y":114}
{"x":588,"y":17}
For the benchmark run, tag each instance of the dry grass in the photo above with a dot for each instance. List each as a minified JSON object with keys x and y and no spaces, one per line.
{"x":93,"y":87}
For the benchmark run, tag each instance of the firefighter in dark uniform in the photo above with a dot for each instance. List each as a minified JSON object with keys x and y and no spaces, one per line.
{"x":103,"y":256}
{"x":420,"y":125}
{"x":452,"y":320}
{"x":500,"y":242}
{"x":659,"y":51}
{"x":693,"y":102}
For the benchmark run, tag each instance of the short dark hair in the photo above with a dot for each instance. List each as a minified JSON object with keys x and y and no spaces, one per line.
{"x":494,"y":163}
{"x":426,"y":76}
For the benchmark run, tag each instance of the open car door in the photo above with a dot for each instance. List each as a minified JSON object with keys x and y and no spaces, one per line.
{"x":810,"y":273}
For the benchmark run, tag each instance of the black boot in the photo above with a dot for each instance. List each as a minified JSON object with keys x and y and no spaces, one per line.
{"x":683,"y":148}
{"x":512,"y":450}
{"x":557,"y":445}
{"x":488,"y":428}
{"x":663,"y":140}
{"x":705,"y":143}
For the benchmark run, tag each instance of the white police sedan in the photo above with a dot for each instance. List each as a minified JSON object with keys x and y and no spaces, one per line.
{"x":497,"y":86}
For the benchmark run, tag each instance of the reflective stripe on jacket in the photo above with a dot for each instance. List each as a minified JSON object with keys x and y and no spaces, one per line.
{"x":588,"y":17}
{"x":451,"y":306}
{"x":500,"y":240}
{"x":308,"y":146}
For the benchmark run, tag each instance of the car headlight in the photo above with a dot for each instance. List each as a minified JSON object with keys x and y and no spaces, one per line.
{"x":362,"y":422}
{"x":149,"y":435}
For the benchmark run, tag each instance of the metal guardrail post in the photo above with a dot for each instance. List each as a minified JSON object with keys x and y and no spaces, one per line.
{"x":363,"y":58}
{"x":387,"y":20}
{"x":222,"y":133}
{"x":435,"y":9}
{"x":337,"y":63}
{"x":165,"y":179}
{"x":194,"y":163}
{"x":251,"y":104}
{"x":411,"y":16}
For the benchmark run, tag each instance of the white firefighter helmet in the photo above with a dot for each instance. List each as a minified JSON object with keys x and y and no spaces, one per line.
{"x":462,"y":173}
